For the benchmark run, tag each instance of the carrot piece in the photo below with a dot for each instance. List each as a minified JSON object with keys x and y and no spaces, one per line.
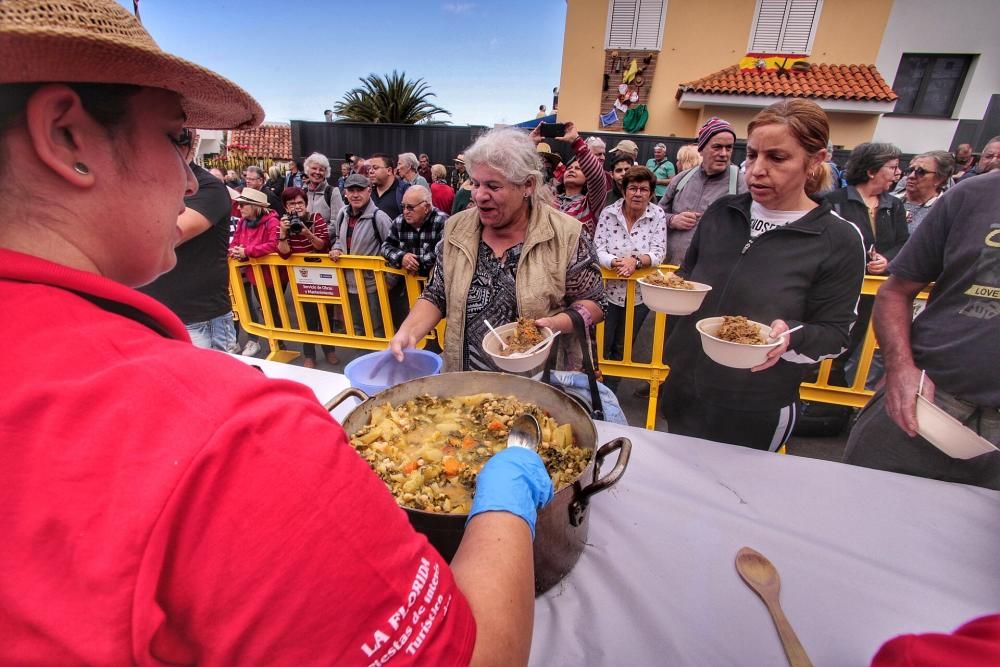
{"x":468,"y":442}
{"x":410,"y":467}
{"x":495,"y":425}
{"x":451,"y":466}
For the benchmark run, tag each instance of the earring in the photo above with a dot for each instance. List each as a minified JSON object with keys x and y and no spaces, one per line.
{"x":525,"y":195}
{"x":81,"y":168}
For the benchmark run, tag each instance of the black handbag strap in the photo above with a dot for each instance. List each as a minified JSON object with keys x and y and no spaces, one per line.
{"x":579,"y":328}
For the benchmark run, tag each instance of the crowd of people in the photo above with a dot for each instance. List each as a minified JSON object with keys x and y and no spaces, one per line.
{"x":160,"y":514}
{"x":823,"y":226}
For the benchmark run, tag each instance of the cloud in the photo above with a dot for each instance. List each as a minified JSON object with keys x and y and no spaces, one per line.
{"x":458,"y":7}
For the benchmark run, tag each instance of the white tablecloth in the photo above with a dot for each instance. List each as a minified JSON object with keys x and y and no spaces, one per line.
{"x":863,"y":555}
{"x":324,"y":385}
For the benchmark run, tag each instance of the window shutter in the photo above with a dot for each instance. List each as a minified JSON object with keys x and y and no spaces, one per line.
{"x":636,"y":24}
{"x":649,"y":24}
{"x":622,"y":29}
{"x":800,"y":26}
{"x":784,"y":26}
{"x":767,"y":28}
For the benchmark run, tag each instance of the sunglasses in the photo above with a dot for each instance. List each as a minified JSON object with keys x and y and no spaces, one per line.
{"x":413,"y":207}
{"x":919,"y":171}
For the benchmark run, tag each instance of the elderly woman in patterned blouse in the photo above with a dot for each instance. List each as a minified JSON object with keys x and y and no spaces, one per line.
{"x":514,"y":255}
{"x":631,"y":234}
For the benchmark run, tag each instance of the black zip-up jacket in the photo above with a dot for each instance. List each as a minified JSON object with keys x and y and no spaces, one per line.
{"x":891,"y":231}
{"x":807,"y":272}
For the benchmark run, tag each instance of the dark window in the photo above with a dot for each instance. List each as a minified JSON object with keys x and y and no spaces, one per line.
{"x":928,"y":85}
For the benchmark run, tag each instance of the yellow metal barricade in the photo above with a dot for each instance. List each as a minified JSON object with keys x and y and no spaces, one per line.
{"x":654,"y":371}
{"x":316,"y":279}
{"x":855,"y":395}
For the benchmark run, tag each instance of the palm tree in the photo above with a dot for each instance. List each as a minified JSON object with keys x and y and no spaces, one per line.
{"x":388,"y":99}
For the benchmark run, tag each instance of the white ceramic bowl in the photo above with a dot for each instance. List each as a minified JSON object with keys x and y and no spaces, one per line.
{"x":947,"y":433}
{"x":734,"y":355}
{"x":671,"y":300}
{"x":518,"y":363}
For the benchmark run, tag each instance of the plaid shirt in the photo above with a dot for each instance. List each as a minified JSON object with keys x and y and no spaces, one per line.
{"x":421,"y":242}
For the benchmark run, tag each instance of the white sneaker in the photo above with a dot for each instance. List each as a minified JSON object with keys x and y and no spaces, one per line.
{"x":251,"y":349}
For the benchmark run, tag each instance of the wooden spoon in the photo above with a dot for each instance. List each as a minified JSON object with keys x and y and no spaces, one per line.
{"x":762,"y":577}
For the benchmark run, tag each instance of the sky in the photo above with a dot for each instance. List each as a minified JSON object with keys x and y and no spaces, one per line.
{"x":488,"y":62}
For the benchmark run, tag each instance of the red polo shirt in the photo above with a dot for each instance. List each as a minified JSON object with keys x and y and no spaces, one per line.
{"x":165,"y":504}
{"x":975,"y":644}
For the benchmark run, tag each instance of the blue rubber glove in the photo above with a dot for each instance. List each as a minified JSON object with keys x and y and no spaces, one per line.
{"x":514,"y":480}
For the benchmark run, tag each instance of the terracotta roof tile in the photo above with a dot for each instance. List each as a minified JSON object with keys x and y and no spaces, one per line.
{"x":272,"y":140}
{"x":839,"y":82}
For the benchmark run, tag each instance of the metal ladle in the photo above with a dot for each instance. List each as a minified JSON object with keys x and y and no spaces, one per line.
{"x":525,"y":432}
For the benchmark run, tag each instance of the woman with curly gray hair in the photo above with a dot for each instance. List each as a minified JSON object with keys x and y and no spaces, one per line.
{"x":512,"y":256}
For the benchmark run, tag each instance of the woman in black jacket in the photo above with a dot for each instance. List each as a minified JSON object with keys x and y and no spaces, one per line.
{"x":774,"y":255}
{"x":871,"y":171}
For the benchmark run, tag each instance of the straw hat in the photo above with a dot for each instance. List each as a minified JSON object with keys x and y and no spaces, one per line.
{"x":99,"y":41}
{"x":252,"y":197}
{"x":546,"y":152}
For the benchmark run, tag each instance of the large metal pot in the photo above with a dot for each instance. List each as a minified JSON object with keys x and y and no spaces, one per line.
{"x":561,"y":529}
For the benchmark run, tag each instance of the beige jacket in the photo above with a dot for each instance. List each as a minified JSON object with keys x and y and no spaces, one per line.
{"x":550,"y":244}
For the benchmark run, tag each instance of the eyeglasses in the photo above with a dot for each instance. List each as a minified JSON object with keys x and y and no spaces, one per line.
{"x":894,"y":168}
{"x":413,"y":207}
{"x":919,"y":171}
{"x":634,"y":189}
{"x":990,"y":156}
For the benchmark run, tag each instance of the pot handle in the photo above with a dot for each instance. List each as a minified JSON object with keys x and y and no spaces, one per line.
{"x":578,"y":508}
{"x":350,"y":392}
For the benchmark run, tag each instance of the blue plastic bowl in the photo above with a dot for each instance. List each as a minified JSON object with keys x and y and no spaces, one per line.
{"x":371,"y":373}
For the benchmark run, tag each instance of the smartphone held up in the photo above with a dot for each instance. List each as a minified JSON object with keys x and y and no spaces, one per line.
{"x":552,"y":130}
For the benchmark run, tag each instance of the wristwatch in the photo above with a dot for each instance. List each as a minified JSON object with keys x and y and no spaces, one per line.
{"x":638,"y":261}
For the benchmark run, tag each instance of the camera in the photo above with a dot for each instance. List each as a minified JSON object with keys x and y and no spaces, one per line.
{"x":295,"y":225}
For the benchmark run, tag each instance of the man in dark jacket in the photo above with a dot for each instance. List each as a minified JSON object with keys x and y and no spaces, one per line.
{"x":256,"y":178}
{"x":387,"y":190}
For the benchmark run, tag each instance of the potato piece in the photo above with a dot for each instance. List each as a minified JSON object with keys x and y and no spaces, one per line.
{"x":371,"y":436}
{"x":432,"y":454}
{"x":563,"y":436}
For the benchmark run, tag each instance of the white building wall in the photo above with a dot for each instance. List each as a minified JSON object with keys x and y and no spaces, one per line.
{"x":936,"y":26}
